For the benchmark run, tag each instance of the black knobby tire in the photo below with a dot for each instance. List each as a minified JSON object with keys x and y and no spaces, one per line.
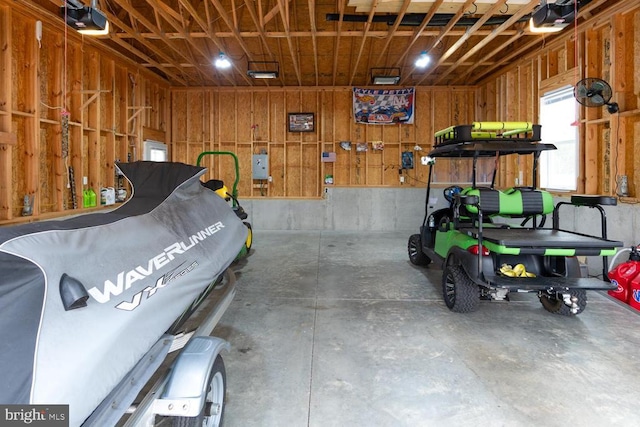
{"x":212,"y":414}
{"x":459,"y":292}
{"x":414,"y":247}
{"x":556,"y":305}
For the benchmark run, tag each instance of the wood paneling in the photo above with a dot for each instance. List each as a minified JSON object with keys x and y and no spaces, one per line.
{"x":607,"y":47}
{"x":252,"y":122}
{"x":107,"y":99}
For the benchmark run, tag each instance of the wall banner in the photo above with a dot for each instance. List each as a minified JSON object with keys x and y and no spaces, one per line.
{"x":383,"y":106}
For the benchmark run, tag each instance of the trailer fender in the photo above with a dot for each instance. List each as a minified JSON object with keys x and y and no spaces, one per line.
{"x":186,"y":388}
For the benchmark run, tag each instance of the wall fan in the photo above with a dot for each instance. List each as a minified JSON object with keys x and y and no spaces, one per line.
{"x":593,"y":92}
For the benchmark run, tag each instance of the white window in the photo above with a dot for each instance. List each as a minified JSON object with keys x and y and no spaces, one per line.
{"x":559,"y":168}
{"x":155,"y":151}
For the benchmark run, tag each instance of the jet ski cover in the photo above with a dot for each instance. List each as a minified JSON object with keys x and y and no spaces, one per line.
{"x":141,"y":264}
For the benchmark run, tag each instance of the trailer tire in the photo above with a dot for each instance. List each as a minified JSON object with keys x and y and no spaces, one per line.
{"x":459,"y":292}
{"x":556,"y":305}
{"x":212,"y":413}
{"x":414,"y":247}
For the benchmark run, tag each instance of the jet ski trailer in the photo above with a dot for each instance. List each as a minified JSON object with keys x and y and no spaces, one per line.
{"x":90,"y":305}
{"x":191,"y":390}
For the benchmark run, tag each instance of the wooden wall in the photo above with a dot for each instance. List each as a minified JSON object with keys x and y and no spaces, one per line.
{"x":247,"y":122}
{"x":607,"y":47}
{"x":111,"y":105}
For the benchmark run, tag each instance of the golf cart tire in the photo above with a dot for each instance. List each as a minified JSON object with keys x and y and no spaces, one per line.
{"x":212,"y":413}
{"x":557,"y":306}
{"x":414,"y":247}
{"x":460,"y":294}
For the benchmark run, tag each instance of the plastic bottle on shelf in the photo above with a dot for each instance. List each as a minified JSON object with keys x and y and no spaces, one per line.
{"x":86,"y":198}
{"x":92,"y":198}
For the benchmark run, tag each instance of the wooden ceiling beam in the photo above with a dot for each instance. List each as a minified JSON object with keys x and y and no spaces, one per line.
{"x":342,"y":4}
{"x":420,"y":31}
{"x":169,"y":17}
{"x":280,"y":34}
{"x":525,"y":9}
{"x":272,"y":13}
{"x":254,"y":17}
{"x":314,"y":40}
{"x":445,"y":30}
{"x":469,"y":67}
{"x":394,"y":28}
{"x":467,"y":35}
{"x":151,"y":62}
{"x":367,"y":25}
{"x":230,"y":23}
{"x":154,"y":29}
{"x":284,"y":15}
{"x":135,"y":35}
{"x":196,"y":17}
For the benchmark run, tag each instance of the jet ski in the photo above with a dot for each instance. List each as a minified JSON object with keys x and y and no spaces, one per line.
{"x":84,"y":298}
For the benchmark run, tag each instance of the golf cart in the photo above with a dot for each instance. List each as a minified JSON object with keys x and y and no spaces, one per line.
{"x":490,"y":242}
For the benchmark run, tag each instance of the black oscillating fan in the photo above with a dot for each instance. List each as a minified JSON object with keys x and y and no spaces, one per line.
{"x":592,"y":92}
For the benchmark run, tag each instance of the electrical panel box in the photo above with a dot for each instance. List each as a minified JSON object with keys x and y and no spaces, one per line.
{"x":260,"y":166}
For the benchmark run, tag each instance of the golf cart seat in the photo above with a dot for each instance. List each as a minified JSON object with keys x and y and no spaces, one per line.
{"x":513,"y":202}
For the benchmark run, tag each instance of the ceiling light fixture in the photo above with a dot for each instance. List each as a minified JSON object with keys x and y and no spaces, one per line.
{"x":385,"y":76}
{"x":222,"y":61}
{"x":423,"y":60}
{"x":96,"y":31}
{"x":542,"y":29}
{"x":263,"y":69}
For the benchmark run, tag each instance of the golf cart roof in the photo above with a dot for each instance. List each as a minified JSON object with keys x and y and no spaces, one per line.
{"x":488,"y":139}
{"x":489,"y":148}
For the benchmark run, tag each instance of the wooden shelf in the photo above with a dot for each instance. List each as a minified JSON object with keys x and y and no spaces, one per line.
{"x":22,"y":114}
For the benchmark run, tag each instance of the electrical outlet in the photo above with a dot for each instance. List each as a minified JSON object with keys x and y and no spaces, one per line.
{"x":270,"y":178}
{"x":401,"y":179}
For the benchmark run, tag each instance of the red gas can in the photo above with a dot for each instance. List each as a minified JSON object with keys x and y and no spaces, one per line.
{"x":622,"y":276}
{"x":634,"y":293}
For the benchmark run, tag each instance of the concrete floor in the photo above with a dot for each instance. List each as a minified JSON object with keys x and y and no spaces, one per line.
{"x":339,"y":329}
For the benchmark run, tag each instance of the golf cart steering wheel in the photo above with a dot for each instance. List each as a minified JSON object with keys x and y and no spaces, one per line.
{"x":450,"y":192}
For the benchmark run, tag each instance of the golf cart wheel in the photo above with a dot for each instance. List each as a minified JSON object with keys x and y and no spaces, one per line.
{"x":249,"y":241}
{"x":414,"y":247}
{"x":212,"y":413}
{"x":555,"y":305}
{"x":459,"y":292}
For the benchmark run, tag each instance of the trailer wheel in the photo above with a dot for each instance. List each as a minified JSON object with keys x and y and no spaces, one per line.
{"x":414,"y":247}
{"x":212,"y":413}
{"x":555,"y":305}
{"x":459,"y":292}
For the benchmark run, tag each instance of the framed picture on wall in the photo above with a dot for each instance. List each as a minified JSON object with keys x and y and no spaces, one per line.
{"x":301,"y":122}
